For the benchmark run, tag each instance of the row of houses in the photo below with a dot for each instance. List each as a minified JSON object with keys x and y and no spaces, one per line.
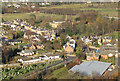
{"x":56,"y":23}
{"x":30,"y":31}
{"x":49,"y":34}
{"x":44,"y":57}
{"x":15,"y":25}
{"x":33,"y":46}
{"x":105,"y":52}
{"x":90,"y":40}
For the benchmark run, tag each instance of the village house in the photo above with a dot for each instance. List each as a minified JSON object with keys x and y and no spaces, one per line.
{"x":45,"y":3}
{"x":26,"y":53}
{"x":68,"y":49}
{"x":87,"y":40}
{"x":29,"y":46}
{"x":41,"y":31}
{"x":107,"y":39}
{"x":24,"y":3}
{"x":29,"y":34}
{"x":69,"y":46}
{"x":68,"y":37}
{"x":16,"y":5}
{"x":28,"y":27}
{"x":9,"y":5}
{"x":39,"y":45}
{"x":13,"y":41}
{"x":107,"y":49}
{"x":55,"y":24}
{"x":92,"y":56}
{"x":23,"y":23}
{"x":6,"y":23}
{"x":36,"y":39}
{"x":34,"y":46}
{"x":100,"y":42}
{"x":34,"y":29}
{"x":3,"y":33}
{"x":17,"y":21}
{"x":13,"y":26}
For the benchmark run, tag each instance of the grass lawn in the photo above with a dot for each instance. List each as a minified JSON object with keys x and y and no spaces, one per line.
{"x":58,"y":73}
{"x":21,"y":44}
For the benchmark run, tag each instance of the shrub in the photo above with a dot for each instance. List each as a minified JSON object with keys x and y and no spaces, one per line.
{"x":71,"y":65}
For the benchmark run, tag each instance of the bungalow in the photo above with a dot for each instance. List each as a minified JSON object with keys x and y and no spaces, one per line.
{"x":6,"y":23}
{"x":54,"y":57}
{"x":14,"y":41}
{"x":26,"y":53}
{"x":28,"y":27}
{"x":36,"y":38}
{"x":9,"y":5}
{"x":55,"y":24}
{"x":13,"y":26}
{"x":105,"y":50}
{"x":34,"y":46}
{"x":107,"y":39}
{"x":41,"y":31}
{"x":69,"y":46}
{"x":92,"y":56}
{"x":34,"y":29}
{"x":29,"y":34}
{"x":29,"y":46}
{"x":39,"y":45}
{"x":23,"y":23}
{"x":86,"y":40}
{"x":17,"y":21}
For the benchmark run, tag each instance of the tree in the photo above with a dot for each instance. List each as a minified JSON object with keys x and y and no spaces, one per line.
{"x":78,"y":19}
{"x":20,"y":33}
{"x":56,"y":45}
{"x":62,"y":38}
{"x":80,"y":43}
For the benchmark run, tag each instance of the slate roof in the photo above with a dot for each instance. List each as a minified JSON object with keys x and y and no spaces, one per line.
{"x":28,"y":51}
{"x":7,"y":22}
{"x":38,"y":44}
{"x":30,"y":33}
{"x":13,"y":40}
{"x":92,"y":55}
{"x":89,"y":67}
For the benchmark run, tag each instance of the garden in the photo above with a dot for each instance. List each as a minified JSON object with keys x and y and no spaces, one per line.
{"x":14,"y":72}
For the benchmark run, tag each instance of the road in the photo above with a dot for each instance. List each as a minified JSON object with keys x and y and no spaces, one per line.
{"x":39,"y":70}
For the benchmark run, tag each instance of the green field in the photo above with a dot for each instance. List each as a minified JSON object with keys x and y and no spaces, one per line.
{"x":11,"y":17}
{"x":100,"y":8}
{"x":104,"y":9}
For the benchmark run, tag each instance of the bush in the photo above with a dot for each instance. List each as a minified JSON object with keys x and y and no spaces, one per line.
{"x":71,"y":65}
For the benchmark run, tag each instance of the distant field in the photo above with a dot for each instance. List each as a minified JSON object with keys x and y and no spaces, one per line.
{"x":105,"y":11}
{"x":100,"y":8}
{"x":11,"y":17}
